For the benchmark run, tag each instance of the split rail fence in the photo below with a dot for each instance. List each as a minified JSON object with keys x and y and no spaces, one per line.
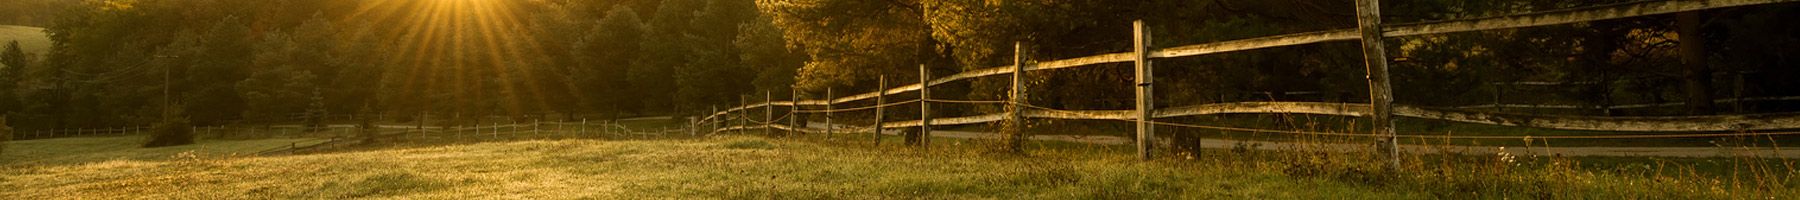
{"x":1370,"y":32}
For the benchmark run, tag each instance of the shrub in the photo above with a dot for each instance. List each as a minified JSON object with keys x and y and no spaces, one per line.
{"x":6,"y":134}
{"x":171,"y":133}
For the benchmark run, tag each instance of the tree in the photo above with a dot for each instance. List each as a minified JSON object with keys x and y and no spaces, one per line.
{"x":665,"y":47}
{"x":604,"y":56}
{"x":1697,"y":77}
{"x":714,"y":72}
{"x":280,"y":85}
{"x":763,"y":49}
{"x":15,"y":61}
{"x":14,"y":57}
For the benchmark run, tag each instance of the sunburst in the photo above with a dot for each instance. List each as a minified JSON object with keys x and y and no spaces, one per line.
{"x":456,"y":49}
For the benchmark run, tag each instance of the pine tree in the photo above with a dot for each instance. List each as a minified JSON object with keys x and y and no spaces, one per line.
{"x":15,"y":61}
{"x":14,"y":57}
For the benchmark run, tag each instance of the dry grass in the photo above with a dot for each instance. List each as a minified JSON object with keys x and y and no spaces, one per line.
{"x":32,"y":39}
{"x":815,"y":168}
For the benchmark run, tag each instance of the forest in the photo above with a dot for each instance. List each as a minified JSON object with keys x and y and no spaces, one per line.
{"x":119,"y":62}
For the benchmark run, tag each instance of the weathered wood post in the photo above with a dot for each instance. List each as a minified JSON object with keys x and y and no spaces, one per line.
{"x":713,"y":126}
{"x":924,"y":107}
{"x":743,"y":114}
{"x":1381,"y":95}
{"x":880,"y":101}
{"x":793,"y":114}
{"x":828,"y":100}
{"x":1016,"y":138}
{"x":768,"y":112}
{"x":1141,"y":52}
{"x":1499,"y":92}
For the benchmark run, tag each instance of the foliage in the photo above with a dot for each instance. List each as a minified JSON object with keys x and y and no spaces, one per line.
{"x":173,"y":132}
{"x":256,"y":60}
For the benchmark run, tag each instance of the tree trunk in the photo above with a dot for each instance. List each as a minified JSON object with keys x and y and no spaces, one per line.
{"x":1698,"y":78}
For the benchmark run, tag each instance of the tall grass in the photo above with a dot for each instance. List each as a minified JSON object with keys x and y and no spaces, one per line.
{"x":825,"y":167}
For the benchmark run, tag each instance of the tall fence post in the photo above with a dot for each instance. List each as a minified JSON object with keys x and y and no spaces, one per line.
{"x":1381,"y":96}
{"x":828,"y":100}
{"x":713,"y":126}
{"x":1141,"y":50}
{"x":743,"y":114}
{"x":1016,"y":139}
{"x":768,"y":112}
{"x":880,"y":102}
{"x":924,"y":107}
{"x":793,"y":106}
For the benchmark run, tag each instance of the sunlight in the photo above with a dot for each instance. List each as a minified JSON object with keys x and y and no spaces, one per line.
{"x":454,"y":50}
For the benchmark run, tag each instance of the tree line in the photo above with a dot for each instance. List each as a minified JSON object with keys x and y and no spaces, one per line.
{"x":228,"y":60}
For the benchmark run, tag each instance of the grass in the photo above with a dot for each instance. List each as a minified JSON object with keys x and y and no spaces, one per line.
{"x":808,"y":167}
{"x":32,"y":39}
{"x":76,"y":150}
{"x":1406,"y":126}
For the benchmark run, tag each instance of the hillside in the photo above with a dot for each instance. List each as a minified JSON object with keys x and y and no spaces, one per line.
{"x":756,"y":168}
{"x":31,"y":38}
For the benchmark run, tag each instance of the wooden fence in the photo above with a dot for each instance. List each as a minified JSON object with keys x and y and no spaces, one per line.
{"x":1370,"y":31}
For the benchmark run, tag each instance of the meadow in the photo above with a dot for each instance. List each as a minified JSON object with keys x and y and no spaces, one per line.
{"x":838,"y":167}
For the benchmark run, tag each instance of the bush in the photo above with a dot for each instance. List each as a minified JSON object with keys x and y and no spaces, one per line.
{"x":6,"y":135}
{"x":172,"y":133}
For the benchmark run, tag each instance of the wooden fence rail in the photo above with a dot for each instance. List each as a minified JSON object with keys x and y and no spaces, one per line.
{"x":1370,"y":31}
{"x":1565,"y":16}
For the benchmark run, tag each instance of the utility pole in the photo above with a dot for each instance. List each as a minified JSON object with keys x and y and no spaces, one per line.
{"x":167,"y":84}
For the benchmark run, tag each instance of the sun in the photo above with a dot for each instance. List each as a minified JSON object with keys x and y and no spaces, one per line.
{"x":456,"y":50}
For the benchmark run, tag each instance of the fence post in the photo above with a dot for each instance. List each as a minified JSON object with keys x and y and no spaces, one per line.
{"x":535,"y":124}
{"x":828,"y":100}
{"x":744,"y":112}
{"x":793,"y":115}
{"x":880,"y":101}
{"x":421,"y":125}
{"x":1146,"y":133}
{"x":768,"y":112}
{"x":1499,"y":90}
{"x":713,"y":125}
{"x":924,"y":107}
{"x":1016,"y":139}
{"x":1368,"y":21}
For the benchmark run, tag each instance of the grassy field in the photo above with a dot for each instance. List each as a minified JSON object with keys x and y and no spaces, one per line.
{"x":1405,"y":126}
{"x":740,"y":167}
{"x":78,"y":150}
{"x":32,"y":39}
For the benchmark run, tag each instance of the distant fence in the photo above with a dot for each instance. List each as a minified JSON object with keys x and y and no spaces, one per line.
{"x":346,"y":135}
{"x":1370,"y":33}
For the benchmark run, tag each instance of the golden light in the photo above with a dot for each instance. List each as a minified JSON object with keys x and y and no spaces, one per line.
{"x":458,"y":51}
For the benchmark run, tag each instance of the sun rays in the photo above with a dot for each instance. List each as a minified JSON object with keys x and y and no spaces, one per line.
{"x":457,"y":55}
